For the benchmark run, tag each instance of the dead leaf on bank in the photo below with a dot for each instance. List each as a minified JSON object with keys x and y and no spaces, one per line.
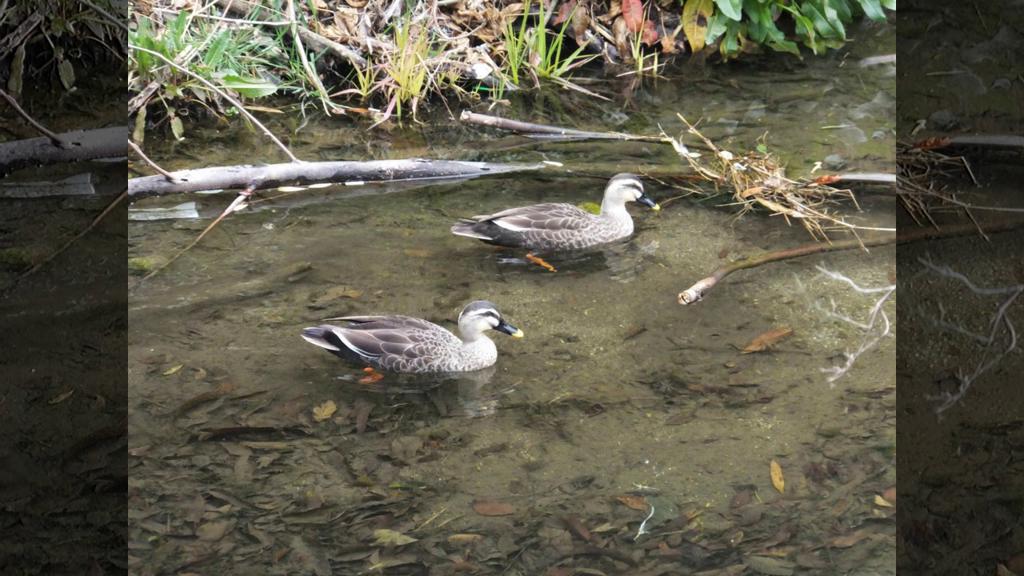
{"x":634,"y":502}
{"x":767,"y":339}
{"x":778,"y":481}
{"x":324,"y":411}
{"x":385,"y":537}
{"x":61,"y":397}
{"x":696,"y":14}
{"x":492,"y":508}
{"x":650,"y":33}
{"x":563,"y":12}
{"x":633,"y":14}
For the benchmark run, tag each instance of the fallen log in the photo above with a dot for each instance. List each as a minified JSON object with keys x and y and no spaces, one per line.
{"x":82,"y":145}
{"x":532,"y":130}
{"x":304,"y":173}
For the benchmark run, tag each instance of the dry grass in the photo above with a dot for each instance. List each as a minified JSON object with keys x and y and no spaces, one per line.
{"x":757,"y":180}
{"x":924,"y":176}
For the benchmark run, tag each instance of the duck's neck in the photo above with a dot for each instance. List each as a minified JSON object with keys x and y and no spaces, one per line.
{"x":615,"y":210}
{"x":479,"y":352}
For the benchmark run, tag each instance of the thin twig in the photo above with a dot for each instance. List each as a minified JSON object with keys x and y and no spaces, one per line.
{"x":222,"y":94}
{"x":120,"y":198}
{"x":57,"y":140}
{"x":170,"y":177}
{"x":115,"y":21}
{"x":237,"y":204}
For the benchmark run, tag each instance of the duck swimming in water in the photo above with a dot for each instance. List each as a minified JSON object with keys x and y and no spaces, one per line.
{"x":554,"y":227}
{"x":412,"y":345}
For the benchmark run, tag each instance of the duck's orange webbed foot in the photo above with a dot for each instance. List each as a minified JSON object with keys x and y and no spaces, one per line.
{"x":540,"y":262}
{"x":371,"y":376}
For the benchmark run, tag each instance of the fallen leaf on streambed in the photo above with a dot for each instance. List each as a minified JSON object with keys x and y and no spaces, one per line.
{"x":881,"y":501}
{"x":890,"y":495}
{"x":173,"y":370}
{"x":61,"y":397}
{"x":324,"y":411}
{"x":212,"y":531}
{"x":634,"y":502}
{"x":1016,"y":563}
{"x":848,"y":540}
{"x":767,"y":339}
{"x":464,"y":539}
{"x":1002,"y":570}
{"x":778,"y":481}
{"x":385,"y":537}
{"x":492,"y":508}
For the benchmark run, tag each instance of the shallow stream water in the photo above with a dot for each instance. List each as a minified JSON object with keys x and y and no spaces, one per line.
{"x":618,"y":406}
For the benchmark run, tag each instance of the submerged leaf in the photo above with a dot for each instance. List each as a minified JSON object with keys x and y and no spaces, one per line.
{"x":492,"y":508}
{"x":324,"y":411}
{"x":385,"y":537}
{"x":778,"y":481}
{"x":767,"y":339}
{"x":634,"y":502}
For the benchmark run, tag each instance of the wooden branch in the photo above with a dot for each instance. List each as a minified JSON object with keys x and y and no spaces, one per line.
{"x":349,"y":173}
{"x":697,"y":292}
{"x":147,"y":160}
{"x":16,"y":38}
{"x":554,"y":132}
{"x":857,"y":178}
{"x":318,"y":42}
{"x":83,"y":145}
{"x":1012,"y":141}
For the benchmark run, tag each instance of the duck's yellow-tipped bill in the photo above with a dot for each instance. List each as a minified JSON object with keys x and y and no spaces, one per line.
{"x":517,"y":334}
{"x":656,"y":207}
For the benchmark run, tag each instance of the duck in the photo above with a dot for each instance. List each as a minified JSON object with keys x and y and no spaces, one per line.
{"x":415,"y":346}
{"x":556,"y":227}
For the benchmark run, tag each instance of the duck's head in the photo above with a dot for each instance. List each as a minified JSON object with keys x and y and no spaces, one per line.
{"x":480,"y":316}
{"x":624,"y":188}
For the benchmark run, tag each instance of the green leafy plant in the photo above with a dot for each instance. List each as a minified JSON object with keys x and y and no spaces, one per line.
{"x":232,"y":58}
{"x":407,"y":70}
{"x":744,"y":25}
{"x":515,"y":42}
{"x":546,"y":57}
{"x":538,"y":48}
